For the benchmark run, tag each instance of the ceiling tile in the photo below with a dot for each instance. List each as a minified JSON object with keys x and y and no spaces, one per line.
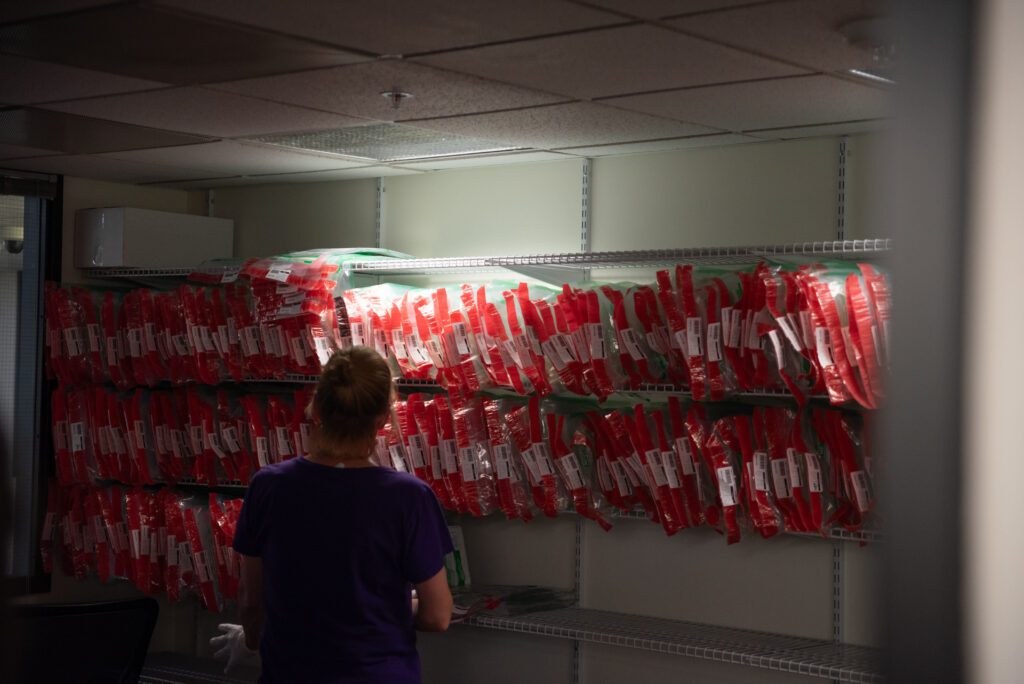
{"x":487,"y":160}
{"x":205,"y":112}
{"x":660,"y":145}
{"x":148,"y":42}
{"x":104,"y":168}
{"x":800,"y":31}
{"x":19,"y":11}
{"x":356,"y":89}
{"x":608,"y":62}
{"x":559,"y":126}
{"x":656,"y":9}
{"x":848,"y":128}
{"x":798,"y":101}
{"x":79,"y":134}
{"x":402,"y":27}
{"x":21,"y":152}
{"x":28,"y":81}
{"x":228,"y":158}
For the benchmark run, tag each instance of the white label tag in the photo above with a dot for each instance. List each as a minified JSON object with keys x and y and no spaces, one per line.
{"x":461,"y":339}
{"x":668,"y":460}
{"x":298,"y":352}
{"x":581,"y":344}
{"x":543,"y":455}
{"x":530,"y":459}
{"x":595,"y":341}
{"x":135,"y":343}
{"x":656,"y":468}
{"x":467,"y":462}
{"x":398,"y":344}
{"x":77,"y":436}
{"x":279,"y":272}
{"x":230,"y":434}
{"x":685,"y":455}
{"x":726,"y":318}
{"x":551,"y":354}
{"x":418,"y":451}
{"x":714,"y":342}
{"x":93,"y":331}
{"x":654,"y":342}
{"x":761,"y":471}
{"x":73,"y":340}
{"x":397,"y":452}
{"x":149,"y":331}
{"x":860,"y":490}
{"x":726,"y":485}
{"x":780,"y":478}
{"x":262,"y":451}
{"x":793,"y":458}
{"x":735,"y":329}
{"x":172,"y":551}
{"x":140,"y":434}
{"x":851,"y":352}
{"x":450,"y":456}
{"x":214,"y":441}
{"x":814,"y":481}
{"x":284,"y":443}
{"x":694,"y":337}
{"x":502,"y":461}
{"x":824,"y":347}
{"x":679,"y":341}
{"x":621,"y":481}
{"x":573,"y":473}
{"x":631,"y":341}
{"x":112,"y":351}
{"x":435,"y":463}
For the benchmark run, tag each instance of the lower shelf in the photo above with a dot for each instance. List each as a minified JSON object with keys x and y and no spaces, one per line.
{"x":797,"y":655}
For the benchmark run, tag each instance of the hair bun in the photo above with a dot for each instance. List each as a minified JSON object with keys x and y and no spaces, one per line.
{"x":339,"y":370}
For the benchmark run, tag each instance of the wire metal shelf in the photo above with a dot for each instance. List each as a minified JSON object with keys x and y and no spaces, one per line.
{"x":781,"y":653}
{"x":127,"y":272}
{"x":837,"y":249}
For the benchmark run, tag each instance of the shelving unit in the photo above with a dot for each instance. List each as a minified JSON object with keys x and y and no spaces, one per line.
{"x":831,"y":660}
{"x":797,"y":655}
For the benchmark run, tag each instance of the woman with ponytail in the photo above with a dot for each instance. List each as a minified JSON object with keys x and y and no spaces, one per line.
{"x":331,"y":546}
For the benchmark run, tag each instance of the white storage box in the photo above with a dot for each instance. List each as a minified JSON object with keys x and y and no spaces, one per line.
{"x":124,"y":237}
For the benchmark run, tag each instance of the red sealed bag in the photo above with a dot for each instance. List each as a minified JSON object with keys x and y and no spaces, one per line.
{"x":199,"y":532}
{"x":723,"y":462}
{"x":757,"y":477}
{"x":575,"y":478}
{"x":512,"y":496}
{"x":646,"y":460}
{"x":524,"y":425}
{"x":475,"y":462}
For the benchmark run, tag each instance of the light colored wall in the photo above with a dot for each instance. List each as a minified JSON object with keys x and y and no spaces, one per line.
{"x":716,"y":196}
{"x":993,"y":550}
{"x":271,"y":219}
{"x":83,"y":193}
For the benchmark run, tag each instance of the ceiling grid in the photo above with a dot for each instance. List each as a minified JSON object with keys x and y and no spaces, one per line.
{"x":529,"y":81}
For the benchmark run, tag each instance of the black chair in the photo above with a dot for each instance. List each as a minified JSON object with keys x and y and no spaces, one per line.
{"x":82,"y":643}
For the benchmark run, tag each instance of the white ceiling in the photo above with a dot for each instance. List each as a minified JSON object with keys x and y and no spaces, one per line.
{"x":563,"y":78}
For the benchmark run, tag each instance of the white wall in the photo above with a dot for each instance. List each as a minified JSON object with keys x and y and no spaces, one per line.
{"x":994,"y":547}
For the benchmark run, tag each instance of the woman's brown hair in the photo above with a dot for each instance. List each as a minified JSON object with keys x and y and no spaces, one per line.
{"x":353,"y":393}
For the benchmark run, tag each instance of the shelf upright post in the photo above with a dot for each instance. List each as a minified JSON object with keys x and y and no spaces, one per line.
{"x":578,"y":590}
{"x":841,"y":191}
{"x":585,"y":242}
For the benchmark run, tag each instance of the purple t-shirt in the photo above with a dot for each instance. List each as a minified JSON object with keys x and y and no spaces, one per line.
{"x":340,"y":549}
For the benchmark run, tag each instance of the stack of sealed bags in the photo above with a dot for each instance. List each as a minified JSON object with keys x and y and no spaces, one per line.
{"x":262,"y":318}
{"x":149,"y":436}
{"x":766,"y":468}
{"x":163,"y":542}
{"x":714,"y":331}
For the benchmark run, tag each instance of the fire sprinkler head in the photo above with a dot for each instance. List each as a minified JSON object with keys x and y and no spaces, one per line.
{"x":396,"y":96}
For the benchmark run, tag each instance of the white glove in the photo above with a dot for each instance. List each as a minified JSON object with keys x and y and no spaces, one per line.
{"x":231,"y":647}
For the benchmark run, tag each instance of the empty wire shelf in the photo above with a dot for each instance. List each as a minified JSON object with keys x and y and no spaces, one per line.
{"x":797,"y":655}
